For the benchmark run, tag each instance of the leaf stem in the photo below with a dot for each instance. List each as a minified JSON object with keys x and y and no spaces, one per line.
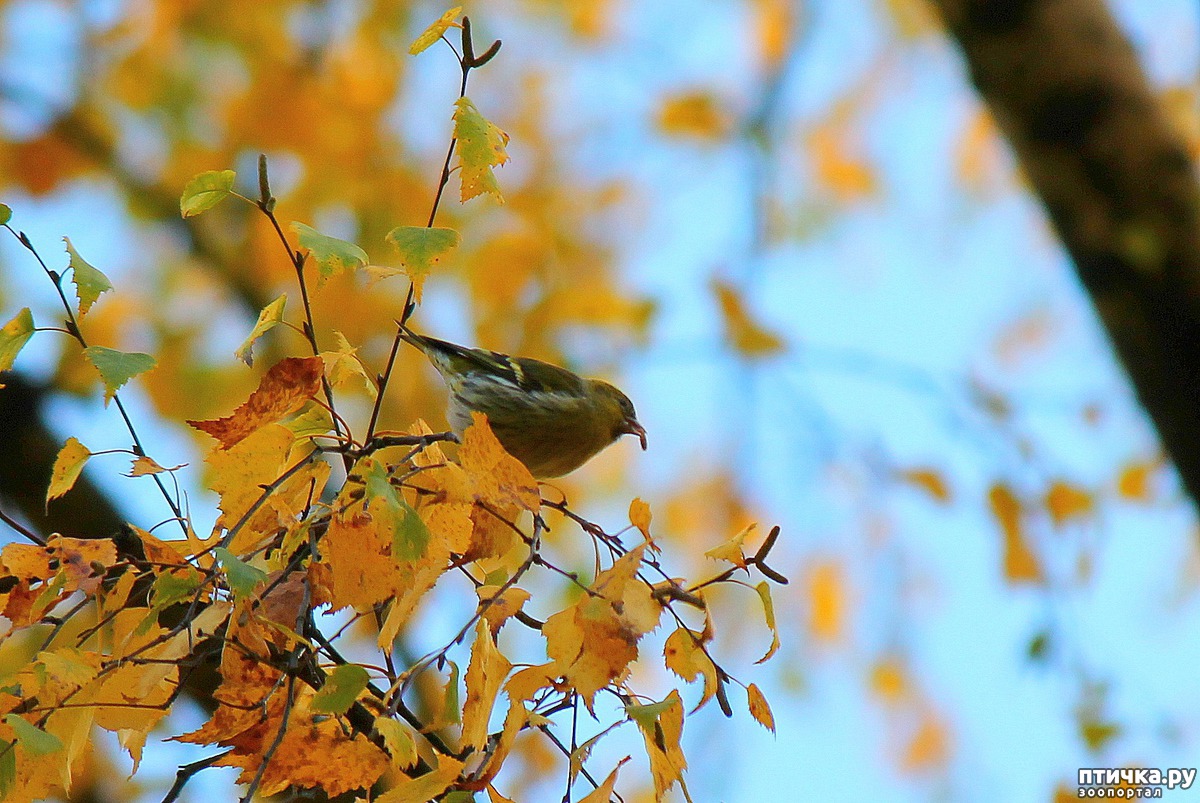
{"x":466,"y":63}
{"x":72,"y":328}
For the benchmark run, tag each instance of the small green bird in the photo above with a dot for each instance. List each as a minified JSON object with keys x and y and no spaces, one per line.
{"x":549,"y":418}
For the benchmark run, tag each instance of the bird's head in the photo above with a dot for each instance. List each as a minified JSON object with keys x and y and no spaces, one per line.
{"x":618,"y":409}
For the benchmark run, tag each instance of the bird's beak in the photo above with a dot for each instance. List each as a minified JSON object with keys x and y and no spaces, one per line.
{"x":632,"y":427}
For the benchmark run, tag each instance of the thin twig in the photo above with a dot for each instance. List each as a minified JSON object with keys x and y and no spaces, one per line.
{"x":73,"y":327}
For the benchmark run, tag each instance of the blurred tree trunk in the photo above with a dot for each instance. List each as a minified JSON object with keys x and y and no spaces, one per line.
{"x":1065,"y":86}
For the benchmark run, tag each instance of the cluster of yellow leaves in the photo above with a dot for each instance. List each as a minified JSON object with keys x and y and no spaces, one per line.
{"x":120,"y":674}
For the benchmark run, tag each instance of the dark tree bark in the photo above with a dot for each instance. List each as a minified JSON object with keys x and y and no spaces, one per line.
{"x":27,"y":452}
{"x":1065,"y":86}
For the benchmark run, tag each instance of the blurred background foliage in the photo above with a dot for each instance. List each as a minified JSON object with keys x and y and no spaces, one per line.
{"x":792,"y":233}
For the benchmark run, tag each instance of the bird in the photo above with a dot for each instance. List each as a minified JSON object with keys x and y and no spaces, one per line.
{"x":549,"y":418}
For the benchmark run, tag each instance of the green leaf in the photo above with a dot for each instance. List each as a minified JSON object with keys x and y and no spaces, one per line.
{"x":420,"y":249}
{"x":268,"y":319}
{"x":89,"y":282}
{"x":117,"y":367}
{"x":331,"y":254}
{"x":5,"y":214}
{"x":647,"y":715}
{"x":243,"y":578}
{"x":8,"y":769}
{"x":341,"y":689}
{"x":481,"y":146}
{"x":206,"y":191}
{"x":170,"y":588}
{"x":410,"y":535}
{"x":378,"y":486}
{"x":13,"y":337}
{"x":33,"y":739}
{"x":764,"y":594}
{"x":435,"y":31}
{"x":451,"y":710}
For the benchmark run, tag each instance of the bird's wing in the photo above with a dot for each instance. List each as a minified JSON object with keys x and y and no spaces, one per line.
{"x":521,"y":372}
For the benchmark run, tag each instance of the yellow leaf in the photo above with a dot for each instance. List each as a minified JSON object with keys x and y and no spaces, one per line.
{"x":344,"y":367}
{"x":500,"y":479}
{"x":593,"y":641}
{"x":661,"y":725}
{"x":684,"y":655}
{"x":775,"y":27}
{"x":485,"y":675}
{"x":764,"y":595}
{"x":759,"y":708}
{"x":827,"y":598}
{"x":514,"y":722}
{"x":481,"y":146}
{"x":427,"y":787}
{"x":67,"y":466}
{"x":733,"y":550}
{"x":639,"y":516}
{"x":238,"y":473}
{"x":979,"y":153}
{"x":929,"y":746}
{"x":604,"y":792}
{"x":500,"y":605}
{"x":844,"y":173}
{"x":13,"y":337}
{"x":435,"y":31}
{"x":528,"y":681}
{"x":399,"y":741}
{"x":750,"y":338}
{"x":268,"y":319}
{"x":144,"y":465}
{"x":889,"y":680}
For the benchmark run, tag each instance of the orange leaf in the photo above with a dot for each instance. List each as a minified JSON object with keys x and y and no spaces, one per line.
{"x":747,"y":335}
{"x":696,"y":114}
{"x":593,"y":641}
{"x":286,"y":387}
{"x":1065,"y":501}
{"x":928,"y":480}
{"x":759,"y":708}
{"x":1134,"y":482}
{"x":1020,"y":563}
